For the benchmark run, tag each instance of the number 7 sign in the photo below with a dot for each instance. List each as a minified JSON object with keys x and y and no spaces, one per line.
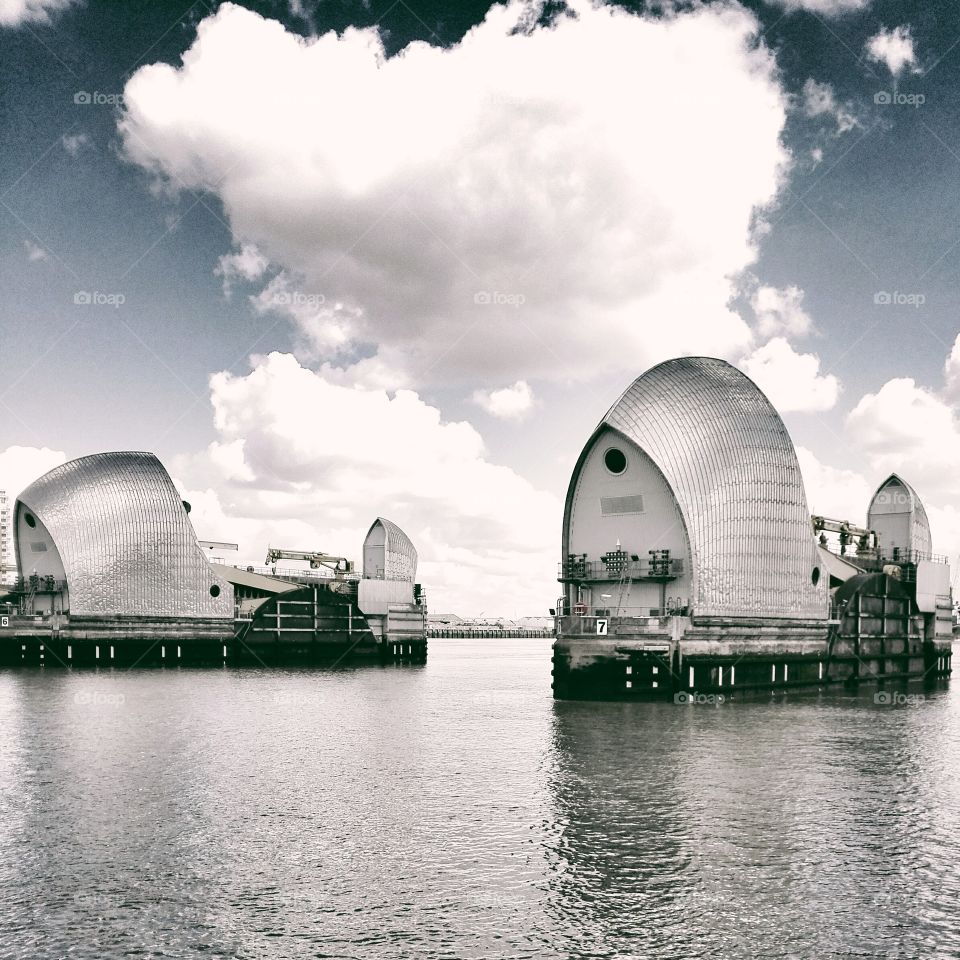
{"x":601,"y":627}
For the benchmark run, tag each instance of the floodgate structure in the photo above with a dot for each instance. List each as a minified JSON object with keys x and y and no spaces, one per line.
{"x":691,"y":564}
{"x":112,"y":574}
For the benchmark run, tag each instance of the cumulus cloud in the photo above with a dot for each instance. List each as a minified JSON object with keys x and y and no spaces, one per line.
{"x":292,"y":444}
{"x":327,"y":326}
{"x":247,"y":264}
{"x":73,"y":143}
{"x":791,"y":380}
{"x":20,"y":466}
{"x":914,"y":431}
{"x":509,"y":403}
{"x":893,"y":48}
{"x":951,"y":373}
{"x":838,"y":492}
{"x":399,"y":188}
{"x":906,"y":428}
{"x":13,"y":13}
{"x":826,"y":8}
{"x":35,"y":253}
{"x":844,"y":493}
{"x":780,"y":312}
{"x":819,"y":99}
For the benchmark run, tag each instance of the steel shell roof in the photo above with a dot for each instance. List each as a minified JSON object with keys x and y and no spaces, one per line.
{"x":127,"y":544}
{"x":732,"y":467}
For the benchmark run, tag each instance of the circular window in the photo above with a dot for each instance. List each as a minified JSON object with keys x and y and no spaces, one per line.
{"x":214,"y":591}
{"x":29,"y":520}
{"x":815,"y":576}
{"x":615,"y":460}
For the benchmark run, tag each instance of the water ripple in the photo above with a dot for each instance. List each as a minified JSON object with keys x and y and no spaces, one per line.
{"x":456,"y":811}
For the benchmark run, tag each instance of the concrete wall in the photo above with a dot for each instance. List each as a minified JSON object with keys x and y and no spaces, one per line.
{"x":933,"y":580}
{"x":377,"y":596}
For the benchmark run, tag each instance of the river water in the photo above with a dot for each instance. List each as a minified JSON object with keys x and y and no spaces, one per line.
{"x":454,"y":810}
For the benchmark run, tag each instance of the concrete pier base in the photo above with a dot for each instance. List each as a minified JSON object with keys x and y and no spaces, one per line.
{"x":676,"y":657}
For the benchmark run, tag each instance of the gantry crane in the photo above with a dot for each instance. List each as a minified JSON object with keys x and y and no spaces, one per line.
{"x":339,"y":565}
{"x":866,"y":539}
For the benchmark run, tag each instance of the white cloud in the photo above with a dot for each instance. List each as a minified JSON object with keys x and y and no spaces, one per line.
{"x":843,"y":493}
{"x":908,"y":429}
{"x":292,"y":444}
{"x":583,"y":191}
{"x":247,"y":264}
{"x":791,"y":380}
{"x":35,"y":253}
{"x":15,"y":12}
{"x":893,"y":48}
{"x":73,"y":143}
{"x":780,"y":312}
{"x":826,"y":8}
{"x":327,"y":325}
{"x":509,"y":403}
{"x":945,"y":533}
{"x":951,"y":373}
{"x":838,"y":492}
{"x":819,"y":99}
{"x":20,"y":466}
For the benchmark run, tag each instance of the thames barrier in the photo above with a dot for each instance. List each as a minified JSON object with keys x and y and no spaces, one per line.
{"x":691,"y":564}
{"x":112,"y":574}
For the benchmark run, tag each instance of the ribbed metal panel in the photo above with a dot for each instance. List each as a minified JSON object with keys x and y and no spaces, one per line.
{"x":126,"y":542}
{"x":732,"y":467}
{"x":400,"y":555}
{"x":921,"y":539}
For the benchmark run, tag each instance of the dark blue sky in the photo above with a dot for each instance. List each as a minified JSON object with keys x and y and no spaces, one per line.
{"x":878,"y":213}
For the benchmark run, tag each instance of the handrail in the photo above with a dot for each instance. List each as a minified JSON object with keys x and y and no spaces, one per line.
{"x":577,"y":568}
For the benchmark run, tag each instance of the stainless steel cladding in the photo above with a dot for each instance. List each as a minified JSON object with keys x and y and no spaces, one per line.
{"x":732,"y":468}
{"x":125,"y":543}
{"x":388,"y":553}
{"x":898,"y":516}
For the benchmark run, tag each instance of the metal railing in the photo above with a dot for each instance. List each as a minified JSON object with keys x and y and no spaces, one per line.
{"x":37,"y":584}
{"x":292,"y":573}
{"x":580,"y":569}
{"x":872,"y":561}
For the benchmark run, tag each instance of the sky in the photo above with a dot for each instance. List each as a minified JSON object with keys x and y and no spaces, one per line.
{"x":334,"y":260}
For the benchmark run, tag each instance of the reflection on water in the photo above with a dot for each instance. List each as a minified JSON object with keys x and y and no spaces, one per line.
{"x":455,"y":811}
